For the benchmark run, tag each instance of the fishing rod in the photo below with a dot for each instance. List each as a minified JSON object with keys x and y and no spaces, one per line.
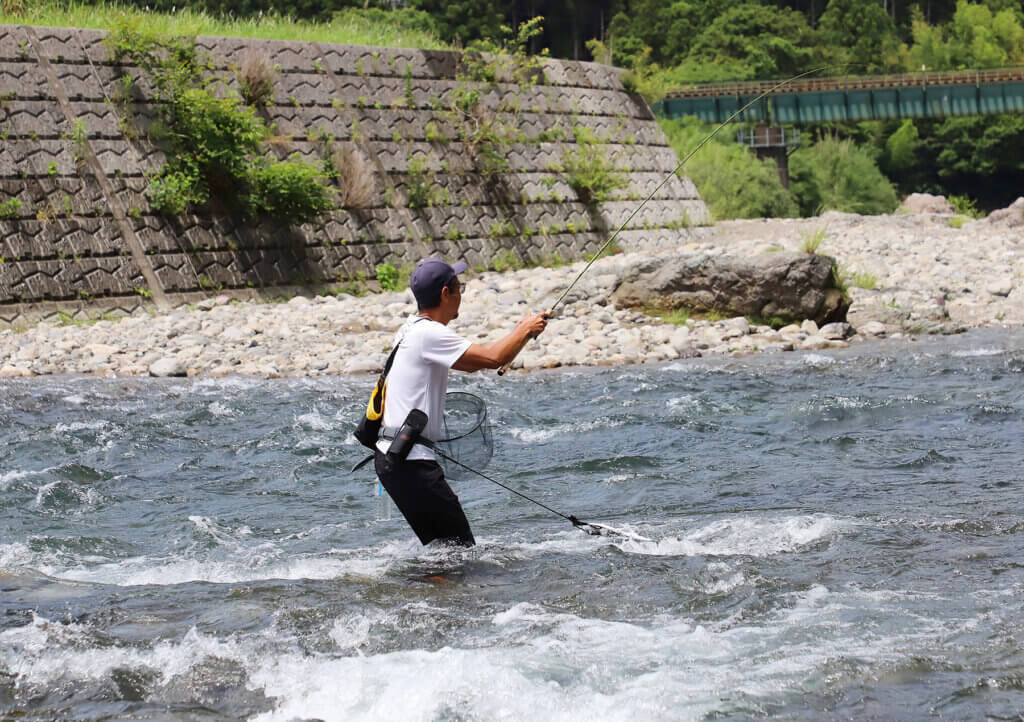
{"x":585,"y":527}
{"x":604,"y":246}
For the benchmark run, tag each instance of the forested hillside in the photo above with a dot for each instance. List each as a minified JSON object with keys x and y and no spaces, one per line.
{"x":663,"y":44}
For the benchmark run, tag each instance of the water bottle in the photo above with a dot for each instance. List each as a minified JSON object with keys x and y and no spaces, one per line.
{"x":383,"y":503}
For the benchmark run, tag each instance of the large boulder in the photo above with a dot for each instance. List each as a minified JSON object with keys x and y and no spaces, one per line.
{"x":926,"y":203}
{"x":1011,"y":216}
{"x":784,"y":285}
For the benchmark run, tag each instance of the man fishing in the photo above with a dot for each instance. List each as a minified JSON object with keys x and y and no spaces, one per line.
{"x":418,"y":380}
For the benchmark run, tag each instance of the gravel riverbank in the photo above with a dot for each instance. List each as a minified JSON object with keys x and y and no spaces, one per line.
{"x":926,"y":277}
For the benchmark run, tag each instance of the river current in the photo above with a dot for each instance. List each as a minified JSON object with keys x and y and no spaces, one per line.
{"x":824,"y":535}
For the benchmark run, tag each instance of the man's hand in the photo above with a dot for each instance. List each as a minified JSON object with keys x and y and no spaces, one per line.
{"x":500,"y":353}
{"x":534,"y":325}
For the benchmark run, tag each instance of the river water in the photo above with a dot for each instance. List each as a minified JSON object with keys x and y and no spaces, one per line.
{"x":809,"y":535}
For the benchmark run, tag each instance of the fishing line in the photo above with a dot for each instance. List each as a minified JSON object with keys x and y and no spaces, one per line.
{"x":666,"y":179}
{"x":586,"y":527}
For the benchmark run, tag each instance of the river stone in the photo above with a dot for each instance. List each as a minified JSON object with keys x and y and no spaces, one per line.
{"x":237,"y":334}
{"x":785,"y":284}
{"x":362,"y":365}
{"x":1000,"y":286}
{"x":169,"y":366}
{"x":820,"y":343}
{"x":872,"y":328}
{"x":836,"y":331}
{"x":27,"y":353}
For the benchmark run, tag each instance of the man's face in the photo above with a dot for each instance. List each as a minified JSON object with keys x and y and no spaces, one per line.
{"x":452,"y":295}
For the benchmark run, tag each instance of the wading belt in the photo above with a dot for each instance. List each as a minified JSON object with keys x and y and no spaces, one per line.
{"x":389,"y":433}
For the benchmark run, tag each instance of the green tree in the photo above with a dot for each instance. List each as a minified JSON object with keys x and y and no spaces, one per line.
{"x":465,"y":20}
{"x":928,"y":48}
{"x":838,"y":175}
{"x":901,"y":148}
{"x":976,"y":37}
{"x":978,"y":146}
{"x":979,"y":38}
{"x":860,"y":34}
{"x":666,"y":27}
{"x":771,"y":42}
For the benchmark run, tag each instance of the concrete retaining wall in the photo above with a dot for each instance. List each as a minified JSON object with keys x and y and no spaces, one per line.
{"x":77,"y":231}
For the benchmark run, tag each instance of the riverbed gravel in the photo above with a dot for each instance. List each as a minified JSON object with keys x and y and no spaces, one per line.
{"x":906,"y":274}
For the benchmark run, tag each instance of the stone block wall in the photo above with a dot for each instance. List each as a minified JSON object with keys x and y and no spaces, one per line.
{"x":77,"y":230}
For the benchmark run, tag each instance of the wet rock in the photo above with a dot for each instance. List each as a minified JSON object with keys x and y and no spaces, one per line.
{"x":364,"y":364}
{"x":836,"y":331}
{"x":170,"y":366}
{"x":872,"y":328}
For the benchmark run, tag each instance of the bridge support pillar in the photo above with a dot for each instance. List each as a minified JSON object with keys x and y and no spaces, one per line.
{"x":771,"y":142}
{"x":781,"y":157}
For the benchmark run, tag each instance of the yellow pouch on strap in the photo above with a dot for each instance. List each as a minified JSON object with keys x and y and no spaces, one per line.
{"x":375,"y":407}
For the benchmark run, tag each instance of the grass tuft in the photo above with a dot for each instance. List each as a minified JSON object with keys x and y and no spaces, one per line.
{"x":256,"y":78}
{"x":356,"y":179}
{"x":811,"y":242}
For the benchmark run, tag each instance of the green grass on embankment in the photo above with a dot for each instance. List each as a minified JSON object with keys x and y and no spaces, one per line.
{"x":350,"y":27}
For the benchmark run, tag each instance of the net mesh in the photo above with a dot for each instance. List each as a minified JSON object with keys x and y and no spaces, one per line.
{"x":465,"y":435}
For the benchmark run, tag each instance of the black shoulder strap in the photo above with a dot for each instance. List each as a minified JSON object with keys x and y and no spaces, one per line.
{"x":391,"y":360}
{"x":391,"y":357}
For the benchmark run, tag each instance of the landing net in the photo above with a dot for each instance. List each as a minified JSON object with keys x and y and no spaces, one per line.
{"x":465,"y":435}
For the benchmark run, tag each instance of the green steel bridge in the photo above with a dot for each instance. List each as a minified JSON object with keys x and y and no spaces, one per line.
{"x":867,"y":97}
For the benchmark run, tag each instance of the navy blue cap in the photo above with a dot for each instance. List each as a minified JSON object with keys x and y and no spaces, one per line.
{"x":429,"y":277}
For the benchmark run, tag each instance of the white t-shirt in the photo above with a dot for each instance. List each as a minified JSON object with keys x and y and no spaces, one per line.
{"x":419,"y":377}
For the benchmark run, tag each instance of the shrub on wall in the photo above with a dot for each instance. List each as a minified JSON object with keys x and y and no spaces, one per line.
{"x":290,"y":191}
{"x":588,"y":169}
{"x":482,"y":67}
{"x":213,"y":144}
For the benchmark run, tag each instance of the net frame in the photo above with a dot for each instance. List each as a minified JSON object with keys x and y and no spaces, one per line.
{"x":466,"y":436}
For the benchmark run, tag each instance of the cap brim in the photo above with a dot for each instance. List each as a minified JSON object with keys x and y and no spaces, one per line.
{"x":459,"y":267}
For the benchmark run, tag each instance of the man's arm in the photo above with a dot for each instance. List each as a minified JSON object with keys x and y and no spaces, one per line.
{"x":497,"y":354}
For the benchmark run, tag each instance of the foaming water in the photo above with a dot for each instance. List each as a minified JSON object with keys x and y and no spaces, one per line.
{"x":808,"y":536}
{"x":744,"y":537}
